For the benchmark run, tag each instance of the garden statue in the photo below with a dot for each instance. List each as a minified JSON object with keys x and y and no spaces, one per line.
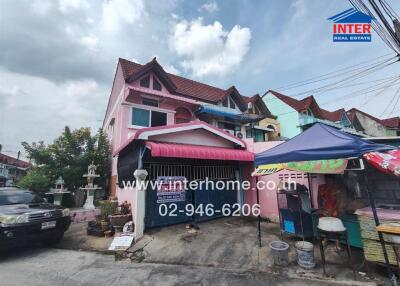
{"x":90,"y":187}
{"x":58,"y":191}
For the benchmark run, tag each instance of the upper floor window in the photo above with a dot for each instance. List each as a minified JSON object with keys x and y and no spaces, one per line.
{"x":145,"y":82}
{"x":306,"y":112}
{"x":231,"y":103}
{"x":156,"y":84}
{"x":225,"y":102}
{"x":150,"y":102}
{"x":148,"y":118}
{"x":228,"y":102}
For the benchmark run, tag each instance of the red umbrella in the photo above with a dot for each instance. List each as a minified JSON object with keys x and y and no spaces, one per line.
{"x":387,"y":162}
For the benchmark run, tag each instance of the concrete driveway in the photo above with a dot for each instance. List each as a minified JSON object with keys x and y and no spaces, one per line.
{"x":225,"y":248}
{"x":56,"y":267}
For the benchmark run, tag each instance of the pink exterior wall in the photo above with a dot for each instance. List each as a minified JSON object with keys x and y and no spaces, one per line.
{"x":116,"y":89}
{"x":268,"y":197}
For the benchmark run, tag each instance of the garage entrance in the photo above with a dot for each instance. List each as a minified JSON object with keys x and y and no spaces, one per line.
{"x":191,"y":170}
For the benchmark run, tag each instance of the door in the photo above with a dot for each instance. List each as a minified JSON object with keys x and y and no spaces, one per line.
{"x":163,"y":208}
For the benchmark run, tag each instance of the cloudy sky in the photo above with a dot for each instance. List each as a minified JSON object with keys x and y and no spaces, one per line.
{"x":58,"y":58}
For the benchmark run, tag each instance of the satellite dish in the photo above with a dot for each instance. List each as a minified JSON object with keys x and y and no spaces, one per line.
{"x":239,"y":135}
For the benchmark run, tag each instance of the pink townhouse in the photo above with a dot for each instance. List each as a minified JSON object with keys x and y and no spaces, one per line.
{"x":175,"y":127}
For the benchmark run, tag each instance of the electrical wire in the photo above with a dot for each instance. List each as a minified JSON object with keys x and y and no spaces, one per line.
{"x":351,"y":77}
{"x":385,"y":35}
{"x":397,"y":94}
{"x":354,"y":93}
{"x":333,"y":73}
{"x":385,"y":7}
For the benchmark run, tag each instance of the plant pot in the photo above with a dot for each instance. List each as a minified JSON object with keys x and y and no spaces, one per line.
{"x":119,"y":220}
{"x":104,"y":225}
{"x":98,"y":218}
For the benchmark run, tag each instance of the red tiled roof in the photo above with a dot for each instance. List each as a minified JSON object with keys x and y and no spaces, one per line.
{"x":351,"y":114}
{"x":184,"y":86}
{"x":333,"y":116}
{"x":256,"y":99}
{"x":5,"y":159}
{"x":294,"y":103}
{"x":310,"y":103}
{"x":393,"y":122}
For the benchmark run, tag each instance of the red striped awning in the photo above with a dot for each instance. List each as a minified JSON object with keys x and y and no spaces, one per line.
{"x":198,"y":152}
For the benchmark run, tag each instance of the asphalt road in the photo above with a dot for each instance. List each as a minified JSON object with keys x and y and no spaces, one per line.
{"x":56,"y":267}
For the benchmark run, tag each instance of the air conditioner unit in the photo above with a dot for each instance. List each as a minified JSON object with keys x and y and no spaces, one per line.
{"x":229,"y":131}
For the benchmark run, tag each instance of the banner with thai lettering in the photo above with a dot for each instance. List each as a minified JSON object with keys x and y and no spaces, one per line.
{"x":170,"y":189}
{"x":333,"y":166}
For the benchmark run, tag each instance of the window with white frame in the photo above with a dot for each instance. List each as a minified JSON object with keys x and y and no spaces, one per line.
{"x":148,"y":118}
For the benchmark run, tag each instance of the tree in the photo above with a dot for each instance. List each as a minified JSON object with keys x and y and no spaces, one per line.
{"x":35,"y":180}
{"x":69,"y":156}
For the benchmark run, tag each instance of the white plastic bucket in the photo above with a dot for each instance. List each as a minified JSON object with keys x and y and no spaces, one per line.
{"x":305,"y":254}
{"x":279,"y":250}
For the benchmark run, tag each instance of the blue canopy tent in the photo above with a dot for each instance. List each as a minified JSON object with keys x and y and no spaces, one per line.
{"x":319,"y":142}
{"x":322,"y":142}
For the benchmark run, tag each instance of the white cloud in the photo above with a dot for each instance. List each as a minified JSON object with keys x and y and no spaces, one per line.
{"x":34,"y":108}
{"x":91,"y":42}
{"x":67,"y":5}
{"x":210,"y":7}
{"x":41,"y":7}
{"x":118,"y":12}
{"x":209,"y":49}
{"x":171,"y":69}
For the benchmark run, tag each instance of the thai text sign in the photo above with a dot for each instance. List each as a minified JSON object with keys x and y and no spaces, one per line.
{"x":170,"y":189}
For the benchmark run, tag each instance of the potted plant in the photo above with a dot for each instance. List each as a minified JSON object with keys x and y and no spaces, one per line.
{"x":107,"y":208}
{"x":122,"y":216}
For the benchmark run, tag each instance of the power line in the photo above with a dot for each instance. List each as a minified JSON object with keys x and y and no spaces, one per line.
{"x":310,"y":80}
{"x":383,"y":34}
{"x":355,"y":93}
{"x":394,"y":106}
{"x":351,"y":77}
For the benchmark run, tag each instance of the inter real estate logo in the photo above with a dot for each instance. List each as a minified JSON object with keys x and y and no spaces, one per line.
{"x":351,"y":26}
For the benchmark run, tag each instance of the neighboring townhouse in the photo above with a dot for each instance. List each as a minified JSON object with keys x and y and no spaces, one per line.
{"x":145,"y":96}
{"x":392,"y":126}
{"x":372,"y":126}
{"x":11,"y":170}
{"x":294,"y":116}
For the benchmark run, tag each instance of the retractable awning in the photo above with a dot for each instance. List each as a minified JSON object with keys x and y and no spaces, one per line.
{"x":198,"y":152}
{"x":229,"y":113}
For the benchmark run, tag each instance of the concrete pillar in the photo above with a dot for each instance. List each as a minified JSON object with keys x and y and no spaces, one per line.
{"x":240,"y":193}
{"x":140,"y":202}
